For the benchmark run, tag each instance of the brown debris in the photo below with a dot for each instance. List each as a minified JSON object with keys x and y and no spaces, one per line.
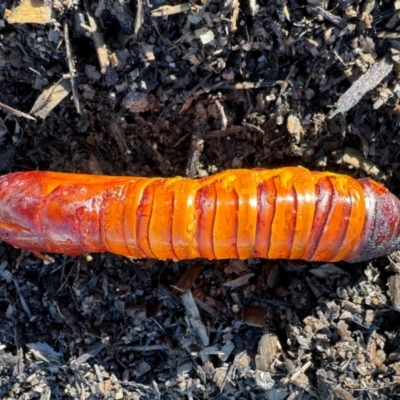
{"x":358,"y":161}
{"x":255,"y":316}
{"x":186,"y":281}
{"x":136,"y":102}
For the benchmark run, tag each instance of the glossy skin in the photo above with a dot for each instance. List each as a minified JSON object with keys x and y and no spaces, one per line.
{"x":288,"y":213}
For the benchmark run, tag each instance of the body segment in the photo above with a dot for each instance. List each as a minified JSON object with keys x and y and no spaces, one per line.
{"x":289,"y":213}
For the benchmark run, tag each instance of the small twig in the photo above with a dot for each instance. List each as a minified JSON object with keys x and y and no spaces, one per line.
{"x":170,"y":10}
{"x":71,"y":66}
{"x":232,"y":130}
{"x":98,"y":40}
{"x":139,"y":18}
{"x":100,"y":7}
{"x":22,"y":299}
{"x":197,"y":142}
{"x":279,"y":109}
{"x":329,"y":16}
{"x":246,"y":85}
{"x":17,"y":112}
{"x":224,"y":120}
{"x":300,"y":371}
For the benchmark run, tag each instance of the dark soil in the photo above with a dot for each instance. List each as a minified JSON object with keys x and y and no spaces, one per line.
{"x":258,"y":94}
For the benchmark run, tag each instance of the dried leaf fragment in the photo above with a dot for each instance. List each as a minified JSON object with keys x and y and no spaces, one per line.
{"x":370,"y":80}
{"x":50,"y":98}
{"x":30,"y":12}
{"x":44,"y":352}
{"x":239,"y":282}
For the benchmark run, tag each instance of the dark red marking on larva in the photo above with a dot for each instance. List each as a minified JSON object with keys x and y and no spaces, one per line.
{"x":384,"y":227}
{"x":292,"y":218}
{"x":364,"y":247}
{"x":324,"y":194}
{"x":344,"y":205}
{"x":160,"y":224}
{"x":143,"y":220}
{"x":170,"y":227}
{"x":235,"y":212}
{"x":291,"y":212}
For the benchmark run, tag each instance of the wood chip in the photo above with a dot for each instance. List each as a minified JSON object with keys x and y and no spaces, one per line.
{"x":239,"y":282}
{"x":342,"y":394}
{"x":206,"y":35}
{"x":255,"y":316}
{"x":264,"y":380}
{"x":30,"y":12}
{"x":194,"y":319}
{"x":294,"y":127}
{"x":357,"y":160}
{"x":170,"y":10}
{"x":186,"y":281}
{"x":269,"y":349}
{"x":220,"y":376}
{"x":325,"y":271}
{"x":44,"y":352}
{"x":394,"y":291}
{"x":22,"y":299}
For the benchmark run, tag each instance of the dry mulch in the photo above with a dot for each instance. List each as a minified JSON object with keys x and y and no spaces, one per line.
{"x":165,"y":89}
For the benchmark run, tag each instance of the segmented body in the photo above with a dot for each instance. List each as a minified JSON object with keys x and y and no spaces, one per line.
{"x":288,"y":213}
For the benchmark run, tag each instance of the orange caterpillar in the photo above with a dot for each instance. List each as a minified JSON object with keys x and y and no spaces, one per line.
{"x":288,"y":213}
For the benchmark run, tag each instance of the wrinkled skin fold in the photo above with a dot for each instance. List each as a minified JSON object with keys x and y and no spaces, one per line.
{"x":287,"y":213}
